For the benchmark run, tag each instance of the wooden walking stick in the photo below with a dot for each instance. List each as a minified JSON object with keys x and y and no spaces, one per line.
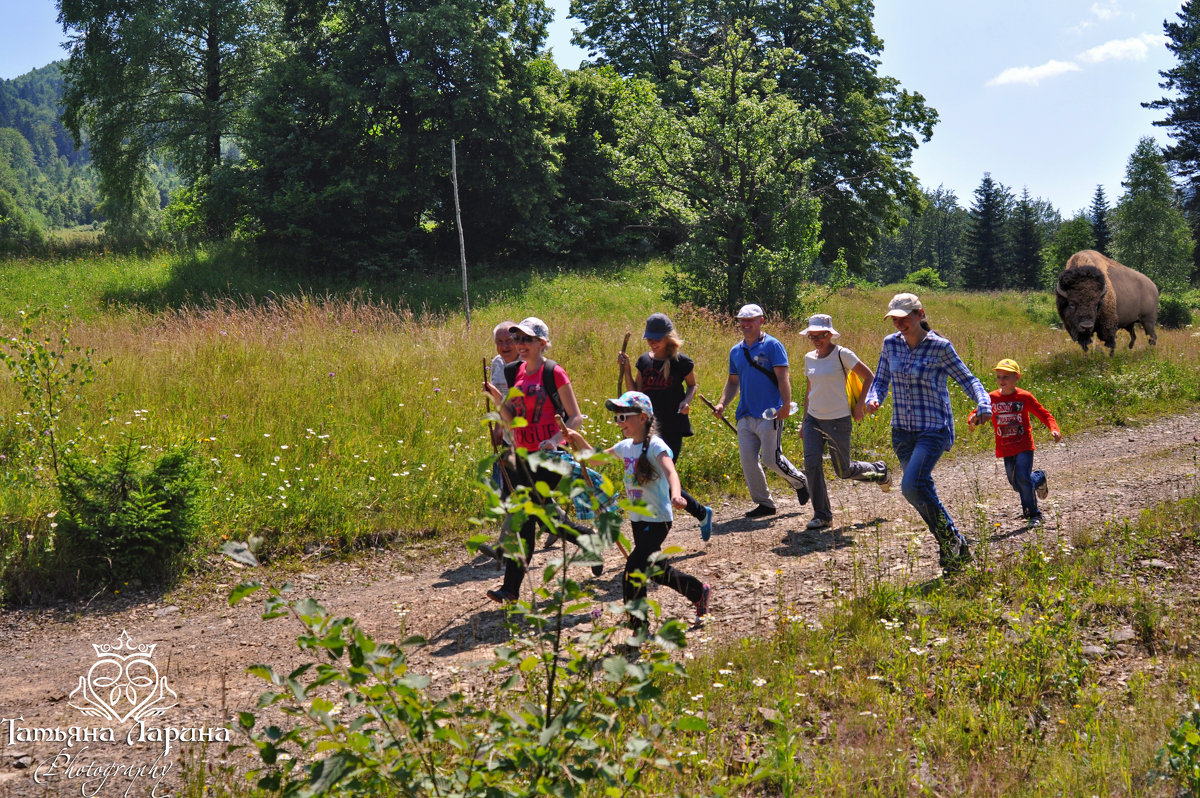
{"x":713,"y":408}
{"x":621,"y":367}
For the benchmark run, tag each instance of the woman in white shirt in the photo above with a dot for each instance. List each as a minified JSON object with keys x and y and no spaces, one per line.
{"x":828,"y":414}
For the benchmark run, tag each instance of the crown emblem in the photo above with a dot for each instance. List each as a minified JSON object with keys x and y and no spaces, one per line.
{"x":123,"y":683}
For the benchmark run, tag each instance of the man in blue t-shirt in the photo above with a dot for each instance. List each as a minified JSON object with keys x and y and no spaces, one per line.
{"x":758,"y":367}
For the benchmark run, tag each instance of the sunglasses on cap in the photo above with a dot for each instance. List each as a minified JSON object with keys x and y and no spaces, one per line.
{"x":619,"y":417}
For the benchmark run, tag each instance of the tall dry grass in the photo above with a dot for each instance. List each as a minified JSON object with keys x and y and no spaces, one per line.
{"x":329,"y":419}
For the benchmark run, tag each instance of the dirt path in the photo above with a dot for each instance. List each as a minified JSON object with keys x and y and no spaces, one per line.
{"x":203,"y":646}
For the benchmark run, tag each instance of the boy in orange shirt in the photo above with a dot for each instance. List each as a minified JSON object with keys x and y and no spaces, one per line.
{"x":1011,"y":408}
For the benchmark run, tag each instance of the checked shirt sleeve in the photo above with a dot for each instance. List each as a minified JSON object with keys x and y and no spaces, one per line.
{"x":883,"y":378}
{"x":966,"y":380}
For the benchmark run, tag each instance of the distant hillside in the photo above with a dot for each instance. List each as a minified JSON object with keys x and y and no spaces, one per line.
{"x":31,"y":104}
{"x":43,"y":176}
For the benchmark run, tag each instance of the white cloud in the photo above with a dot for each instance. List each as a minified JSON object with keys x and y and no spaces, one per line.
{"x":1134,"y":49}
{"x":1101,"y":12}
{"x":1106,"y":11}
{"x":1031,"y":76}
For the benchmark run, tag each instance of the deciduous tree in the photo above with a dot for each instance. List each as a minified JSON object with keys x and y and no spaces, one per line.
{"x":166,"y":77}
{"x":871,"y":126}
{"x":350,"y":140}
{"x":731,"y":168}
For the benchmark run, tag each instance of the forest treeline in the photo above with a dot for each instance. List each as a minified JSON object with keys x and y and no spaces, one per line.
{"x":758,"y":144}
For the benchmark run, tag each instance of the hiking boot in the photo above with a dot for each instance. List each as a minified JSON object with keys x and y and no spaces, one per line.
{"x":701,"y":606}
{"x":706,"y":525}
{"x":551,"y":540}
{"x":501,"y":596}
{"x":802,"y":494}
{"x":1043,"y":490}
{"x":959,"y":554}
{"x":488,"y":551}
{"x":597,"y":570}
{"x":883,"y":475}
{"x":818,"y":523}
{"x":761,"y":511}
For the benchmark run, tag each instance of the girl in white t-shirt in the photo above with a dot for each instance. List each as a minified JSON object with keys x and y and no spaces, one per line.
{"x":649,"y":476}
{"x":828,"y":414}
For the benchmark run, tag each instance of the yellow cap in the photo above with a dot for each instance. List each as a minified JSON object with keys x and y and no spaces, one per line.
{"x":1008,"y":364}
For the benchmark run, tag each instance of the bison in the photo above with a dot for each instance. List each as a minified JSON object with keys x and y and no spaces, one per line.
{"x":1097,"y":295}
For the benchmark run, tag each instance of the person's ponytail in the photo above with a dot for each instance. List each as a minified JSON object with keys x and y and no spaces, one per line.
{"x":643,"y":470}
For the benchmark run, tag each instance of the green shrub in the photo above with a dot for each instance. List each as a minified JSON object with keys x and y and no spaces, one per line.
{"x":925,"y":278}
{"x":572,"y":717}
{"x":1180,"y":756}
{"x":123,"y":517}
{"x":1173,"y":313}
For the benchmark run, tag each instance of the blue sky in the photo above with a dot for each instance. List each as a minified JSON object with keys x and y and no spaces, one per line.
{"x":1043,"y":95}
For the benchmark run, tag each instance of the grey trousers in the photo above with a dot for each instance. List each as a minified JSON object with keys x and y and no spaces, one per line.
{"x":817,"y":433}
{"x":758,"y":445}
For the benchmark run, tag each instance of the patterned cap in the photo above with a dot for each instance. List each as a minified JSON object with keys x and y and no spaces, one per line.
{"x":631,"y":401}
{"x":533,"y":327}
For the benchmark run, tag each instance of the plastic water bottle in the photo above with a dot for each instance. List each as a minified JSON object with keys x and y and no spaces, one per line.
{"x":771,"y":412}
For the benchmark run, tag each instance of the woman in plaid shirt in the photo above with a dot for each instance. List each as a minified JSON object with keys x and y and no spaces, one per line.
{"x":916,"y":363}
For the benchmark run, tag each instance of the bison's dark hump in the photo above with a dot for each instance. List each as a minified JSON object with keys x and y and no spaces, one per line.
{"x":1078,"y":274}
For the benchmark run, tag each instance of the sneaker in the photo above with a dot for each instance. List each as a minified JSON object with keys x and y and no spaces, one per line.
{"x":702,"y":605}
{"x":488,"y":551}
{"x":501,"y":596}
{"x":551,"y":540}
{"x":884,"y":476}
{"x":597,"y":570}
{"x":802,"y":494}
{"x":1043,"y":490}
{"x":1036,"y":522}
{"x":761,"y":511}
{"x":818,"y":523}
{"x":706,"y":525}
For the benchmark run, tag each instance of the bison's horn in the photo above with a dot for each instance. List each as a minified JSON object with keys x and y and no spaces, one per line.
{"x":1059,"y":291}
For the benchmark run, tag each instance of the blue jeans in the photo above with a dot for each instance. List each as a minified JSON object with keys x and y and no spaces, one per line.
{"x":919,"y":453}
{"x":1025,"y":481}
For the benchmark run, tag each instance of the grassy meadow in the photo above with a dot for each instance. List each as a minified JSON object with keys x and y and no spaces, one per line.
{"x":330,"y":416}
{"x":990,"y":685}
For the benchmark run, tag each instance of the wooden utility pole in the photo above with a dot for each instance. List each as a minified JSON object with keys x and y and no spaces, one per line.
{"x":462,"y":251}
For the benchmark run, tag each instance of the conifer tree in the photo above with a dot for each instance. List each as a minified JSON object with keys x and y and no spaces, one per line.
{"x":988,"y":251}
{"x":1098,"y":216}
{"x":1027,"y":242}
{"x":1183,"y":109}
{"x":1150,"y":233}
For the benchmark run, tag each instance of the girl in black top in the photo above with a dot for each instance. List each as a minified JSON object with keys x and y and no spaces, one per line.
{"x":668,"y":377}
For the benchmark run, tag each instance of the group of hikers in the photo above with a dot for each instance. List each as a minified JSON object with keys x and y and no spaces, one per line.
{"x":653,"y":417}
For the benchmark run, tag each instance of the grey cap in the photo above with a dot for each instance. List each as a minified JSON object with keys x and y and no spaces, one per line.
{"x":751,"y":311}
